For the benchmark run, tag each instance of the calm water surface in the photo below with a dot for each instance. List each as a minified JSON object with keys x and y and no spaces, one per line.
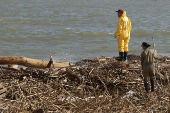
{"x":72,"y":30}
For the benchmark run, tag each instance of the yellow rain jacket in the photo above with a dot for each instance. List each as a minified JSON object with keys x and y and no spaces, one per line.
{"x":123,"y":32}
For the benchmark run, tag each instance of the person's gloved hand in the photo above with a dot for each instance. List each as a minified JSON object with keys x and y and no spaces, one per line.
{"x":116,"y":36}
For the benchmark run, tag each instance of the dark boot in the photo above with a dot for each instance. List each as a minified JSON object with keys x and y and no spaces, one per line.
{"x":125,"y":56}
{"x":152,"y":85}
{"x":146,"y":87}
{"x":121,"y":56}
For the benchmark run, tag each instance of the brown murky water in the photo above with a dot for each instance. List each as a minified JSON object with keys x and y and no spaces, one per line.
{"x":78,"y":29}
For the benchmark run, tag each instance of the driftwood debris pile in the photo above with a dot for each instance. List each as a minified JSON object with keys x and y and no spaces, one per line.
{"x":100,"y":85}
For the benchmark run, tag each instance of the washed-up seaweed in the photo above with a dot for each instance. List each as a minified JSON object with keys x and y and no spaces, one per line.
{"x":100,"y":85}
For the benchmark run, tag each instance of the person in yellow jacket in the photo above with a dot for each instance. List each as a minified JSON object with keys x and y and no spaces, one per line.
{"x":147,"y":63}
{"x":123,"y":34}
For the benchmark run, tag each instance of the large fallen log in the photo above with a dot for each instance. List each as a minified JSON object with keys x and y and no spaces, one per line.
{"x":28,"y":62}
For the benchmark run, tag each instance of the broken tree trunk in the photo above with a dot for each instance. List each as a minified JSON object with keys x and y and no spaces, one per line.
{"x":28,"y":62}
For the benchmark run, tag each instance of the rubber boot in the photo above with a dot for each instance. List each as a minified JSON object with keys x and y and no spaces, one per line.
{"x":121,"y":56}
{"x":146,"y":87}
{"x":125,"y":56}
{"x":152,"y":85}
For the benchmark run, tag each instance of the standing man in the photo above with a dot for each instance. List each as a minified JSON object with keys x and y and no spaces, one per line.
{"x":147,"y":63}
{"x":123,"y":34}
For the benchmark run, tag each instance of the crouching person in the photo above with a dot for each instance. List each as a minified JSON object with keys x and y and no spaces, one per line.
{"x":147,"y":63}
